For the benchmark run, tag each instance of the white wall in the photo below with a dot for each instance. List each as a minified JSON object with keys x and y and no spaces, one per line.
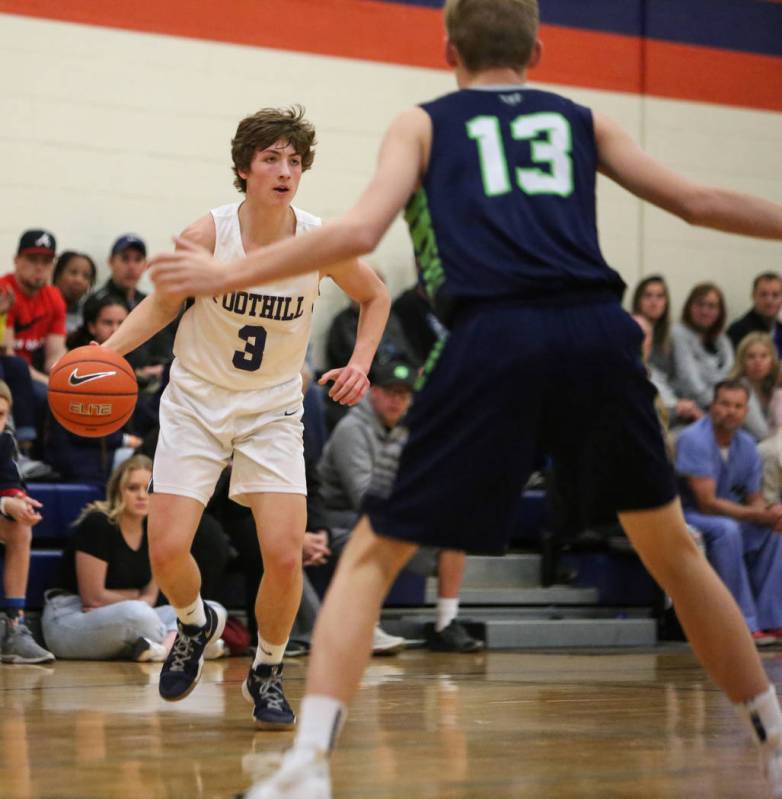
{"x":107,"y":131}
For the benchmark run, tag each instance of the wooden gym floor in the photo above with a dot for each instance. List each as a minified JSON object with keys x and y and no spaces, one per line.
{"x":490,"y":726}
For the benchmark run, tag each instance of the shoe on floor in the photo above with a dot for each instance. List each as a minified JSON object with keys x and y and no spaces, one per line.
{"x":385,"y":644}
{"x":763,"y":638}
{"x":296,"y":648}
{"x":146,"y":651}
{"x":304,"y":774}
{"x":453,"y":638}
{"x":263,"y":690}
{"x":771,"y":762}
{"x":182,"y":668}
{"x":17,"y":644}
{"x":216,"y":649}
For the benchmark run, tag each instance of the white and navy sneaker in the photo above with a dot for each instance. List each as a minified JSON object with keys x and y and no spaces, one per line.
{"x":263,"y":690}
{"x":304,"y":774}
{"x":182,"y":668}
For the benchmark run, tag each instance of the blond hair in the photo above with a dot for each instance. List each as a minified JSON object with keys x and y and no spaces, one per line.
{"x":750,"y":340}
{"x":493,"y":33}
{"x":5,"y":393}
{"x":113,"y":506}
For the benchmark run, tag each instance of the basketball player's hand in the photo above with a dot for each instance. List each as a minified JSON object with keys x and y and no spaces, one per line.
{"x":6,"y":299}
{"x":189,"y":271}
{"x":350,"y":384}
{"x":23,"y":509}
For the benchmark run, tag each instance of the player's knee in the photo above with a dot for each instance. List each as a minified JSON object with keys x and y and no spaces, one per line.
{"x":283,"y":562}
{"x":163,"y":552}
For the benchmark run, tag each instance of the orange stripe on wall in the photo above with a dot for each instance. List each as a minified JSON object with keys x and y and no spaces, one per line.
{"x":413,"y":35}
{"x":714,"y":76}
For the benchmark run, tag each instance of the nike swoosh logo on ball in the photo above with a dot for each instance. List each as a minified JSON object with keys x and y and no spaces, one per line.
{"x":75,"y":379}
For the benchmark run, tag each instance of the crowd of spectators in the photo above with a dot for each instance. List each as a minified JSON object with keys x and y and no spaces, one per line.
{"x":719,"y":394}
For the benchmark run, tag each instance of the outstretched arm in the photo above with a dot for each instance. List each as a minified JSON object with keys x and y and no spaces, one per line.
{"x":622,"y":160}
{"x":157,"y":310}
{"x":403,"y":154}
{"x":361,"y":284}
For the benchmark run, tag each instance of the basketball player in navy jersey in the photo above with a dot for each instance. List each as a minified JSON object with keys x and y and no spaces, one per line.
{"x":498,"y":183}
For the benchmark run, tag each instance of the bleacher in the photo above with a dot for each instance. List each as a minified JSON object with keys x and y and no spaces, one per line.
{"x":601,"y":597}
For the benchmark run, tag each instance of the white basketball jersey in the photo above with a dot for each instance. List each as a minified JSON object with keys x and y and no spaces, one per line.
{"x":252,"y":338}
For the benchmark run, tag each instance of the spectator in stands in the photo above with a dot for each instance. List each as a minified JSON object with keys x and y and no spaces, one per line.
{"x":762,"y":317}
{"x":652,"y":301}
{"x":74,"y":276}
{"x":105,"y":606}
{"x":103,"y":314}
{"x":757,"y":366}
{"x":36,"y":320}
{"x":420,"y":325}
{"x":722,"y":472}
{"x":127,"y":261}
{"x":702,"y":353}
{"x":345,"y":471}
{"x":18,"y":514}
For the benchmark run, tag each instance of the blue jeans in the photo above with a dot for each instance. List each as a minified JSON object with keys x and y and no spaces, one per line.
{"x":104,"y":633}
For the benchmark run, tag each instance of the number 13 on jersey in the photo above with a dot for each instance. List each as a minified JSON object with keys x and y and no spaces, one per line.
{"x":551,"y":142}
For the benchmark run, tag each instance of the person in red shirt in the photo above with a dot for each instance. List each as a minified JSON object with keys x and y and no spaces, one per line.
{"x":35,"y":327}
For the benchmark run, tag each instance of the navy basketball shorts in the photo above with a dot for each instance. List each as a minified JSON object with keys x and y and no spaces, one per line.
{"x":510,"y":383}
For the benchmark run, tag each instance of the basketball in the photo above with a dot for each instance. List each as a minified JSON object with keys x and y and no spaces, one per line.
{"x":92,"y":391}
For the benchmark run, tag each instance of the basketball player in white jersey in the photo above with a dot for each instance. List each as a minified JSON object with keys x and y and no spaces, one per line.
{"x":235,"y":393}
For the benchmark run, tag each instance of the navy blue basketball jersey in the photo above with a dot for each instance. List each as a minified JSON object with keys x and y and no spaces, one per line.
{"x":507,"y":206}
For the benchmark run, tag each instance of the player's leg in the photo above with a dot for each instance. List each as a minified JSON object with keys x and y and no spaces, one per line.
{"x":341,"y":648}
{"x":425,"y":490}
{"x":280,"y":519}
{"x":714,"y":625}
{"x":448,"y":634}
{"x":171,"y":526}
{"x":707,"y":611}
{"x":16,"y":642}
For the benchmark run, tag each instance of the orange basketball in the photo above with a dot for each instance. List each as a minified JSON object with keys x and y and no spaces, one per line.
{"x":92,"y":391}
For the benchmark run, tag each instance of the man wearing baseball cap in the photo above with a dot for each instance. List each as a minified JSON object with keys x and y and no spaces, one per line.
{"x":36,"y":320}
{"x":127,"y":262}
{"x":345,"y":470}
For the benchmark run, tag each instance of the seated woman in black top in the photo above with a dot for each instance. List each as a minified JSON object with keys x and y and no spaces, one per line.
{"x":105,"y":607}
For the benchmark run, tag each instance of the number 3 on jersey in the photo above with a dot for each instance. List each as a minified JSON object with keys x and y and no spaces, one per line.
{"x":553,"y":151}
{"x":249,"y":359}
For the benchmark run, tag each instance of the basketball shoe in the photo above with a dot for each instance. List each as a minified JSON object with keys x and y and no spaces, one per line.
{"x":304,"y":774}
{"x":263,"y":690}
{"x":182,"y":668}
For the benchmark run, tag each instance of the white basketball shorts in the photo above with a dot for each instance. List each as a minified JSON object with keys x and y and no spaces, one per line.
{"x":202,"y":426}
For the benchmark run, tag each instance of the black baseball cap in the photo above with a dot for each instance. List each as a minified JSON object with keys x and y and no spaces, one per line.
{"x":126,"y":241}
{"x":37,"y":242}
{"x":394,"y":373}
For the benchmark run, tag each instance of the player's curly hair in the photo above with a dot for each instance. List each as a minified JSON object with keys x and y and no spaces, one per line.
{"x":265,"y":127}
{"x":493,"y":33}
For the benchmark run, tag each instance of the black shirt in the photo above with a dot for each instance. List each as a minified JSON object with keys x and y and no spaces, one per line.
{"x":97,"y":536}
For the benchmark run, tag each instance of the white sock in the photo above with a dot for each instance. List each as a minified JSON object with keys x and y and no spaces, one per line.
{"x":447,"y":611}
{"x":320,"y":722}
{"x":763,"y":717}
{"x":193,"y":614}
{"x":268,"y":654}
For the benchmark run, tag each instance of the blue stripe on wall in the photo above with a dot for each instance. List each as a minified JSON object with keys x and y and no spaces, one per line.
{"x":753,"y":26}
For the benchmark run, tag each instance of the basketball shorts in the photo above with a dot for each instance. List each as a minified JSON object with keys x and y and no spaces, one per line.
{"x":204,"y":426}
{"x":510,"y":384}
